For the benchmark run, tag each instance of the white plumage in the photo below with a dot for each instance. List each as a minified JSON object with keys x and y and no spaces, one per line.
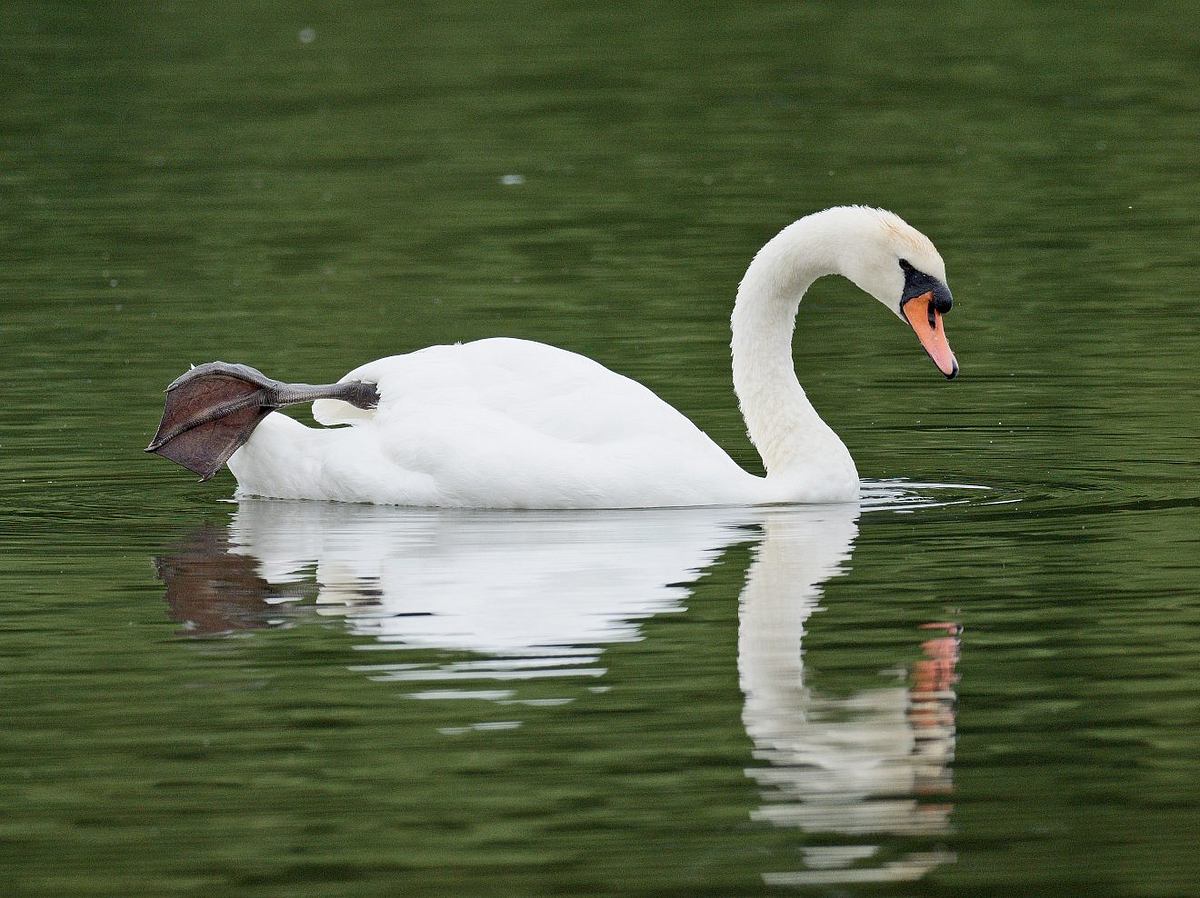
{"x":505,"y":423}
{"x":497,"y":423}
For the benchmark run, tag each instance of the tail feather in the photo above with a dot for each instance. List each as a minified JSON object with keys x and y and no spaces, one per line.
{"x":334,"y":411}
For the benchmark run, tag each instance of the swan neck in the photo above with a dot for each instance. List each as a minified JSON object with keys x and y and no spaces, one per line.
{"x":781,"y":422}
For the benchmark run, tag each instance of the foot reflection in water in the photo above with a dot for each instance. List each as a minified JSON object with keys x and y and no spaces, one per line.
{"x":534,"y":595}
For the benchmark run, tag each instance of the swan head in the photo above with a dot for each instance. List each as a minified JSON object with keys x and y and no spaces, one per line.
{"x":899,"y":266}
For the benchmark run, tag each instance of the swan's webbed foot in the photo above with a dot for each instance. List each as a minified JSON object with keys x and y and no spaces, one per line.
{"x":213,"y":409}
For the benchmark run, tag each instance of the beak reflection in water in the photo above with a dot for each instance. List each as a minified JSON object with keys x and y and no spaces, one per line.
{"x":507,"y":598}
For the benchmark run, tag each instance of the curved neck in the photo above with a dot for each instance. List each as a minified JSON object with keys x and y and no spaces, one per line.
{"x":781,"y":422}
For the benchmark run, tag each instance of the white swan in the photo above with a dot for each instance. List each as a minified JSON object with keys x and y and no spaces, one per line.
{"x":504,"y":423}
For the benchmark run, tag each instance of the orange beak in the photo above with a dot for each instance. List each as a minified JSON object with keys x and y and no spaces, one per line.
{"x":927,"y":322}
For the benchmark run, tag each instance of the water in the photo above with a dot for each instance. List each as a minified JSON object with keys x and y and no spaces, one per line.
{"x":949,"y":691}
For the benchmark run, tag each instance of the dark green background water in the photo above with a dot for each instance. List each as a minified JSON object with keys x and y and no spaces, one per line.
{"x":307,"y":186}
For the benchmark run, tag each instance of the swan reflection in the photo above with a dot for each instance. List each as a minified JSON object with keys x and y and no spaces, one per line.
{"x":505,"y":597}
{"x":861,"y":765}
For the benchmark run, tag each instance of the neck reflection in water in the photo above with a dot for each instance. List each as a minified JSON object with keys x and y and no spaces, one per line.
{"x":537,"y":595}
{"x":862,"y":765}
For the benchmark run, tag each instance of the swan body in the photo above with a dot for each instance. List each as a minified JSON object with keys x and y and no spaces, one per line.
{"x":507,"y":423}
{"x":497,"y":423}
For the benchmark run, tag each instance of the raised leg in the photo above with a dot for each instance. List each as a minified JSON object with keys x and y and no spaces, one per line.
{"x":213,"y":408}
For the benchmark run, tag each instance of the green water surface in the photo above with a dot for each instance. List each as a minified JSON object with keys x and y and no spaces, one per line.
{"x":948,"y":692}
